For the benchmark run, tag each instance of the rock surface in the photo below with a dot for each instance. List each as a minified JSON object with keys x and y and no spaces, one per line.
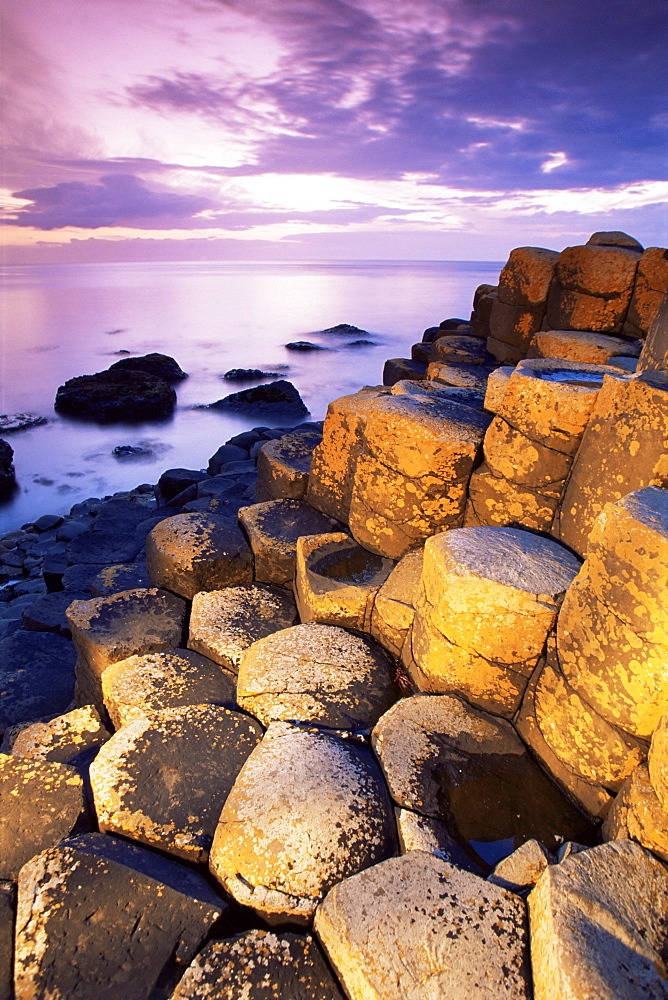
{"x":192,"y":552}
{"x":275,"y":399}
{"x":114,"y":396}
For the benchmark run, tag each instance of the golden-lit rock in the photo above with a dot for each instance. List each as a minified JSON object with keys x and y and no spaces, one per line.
{"x":223,"y":623}
{"x":592,"y":288}
{"x":617,"y":671}
{"x":514,"y":325}
{"x":283,"y":466}
{"x":308,"y":810}
{"x":316,"y":673}
{"x":581,"y":346}
{"x":163,"y":780}
{"x":273,"y":529}
{"x":63,"y":738}
{"x":108,"y":629}
{"x":515,"y":456}
{"x":658,"y":760}
{"x":334,"y":461}
{"x":487,"y":601}
{"x":637,"y":814}
{"x":497,"y":383}
{"x":521,"y":869}
{"x":337,"y":580}
{"x":40,"y":803}
{"x":581,"y":738}
{"x":412,"y":475}
{"x":526,"y":276}
{"x":415,"y":927}
{"x":394,"y":604}
{"x":454,"y":373}
{"x":598,"y":926}
{"x":594,"y":800}
{"x":197,"y":551}
{"x":624,"y":448}
{"x":551,"y":401}
{"x":140,"y":686}
{"x":627,"y":561}
{"x":650,"y":285}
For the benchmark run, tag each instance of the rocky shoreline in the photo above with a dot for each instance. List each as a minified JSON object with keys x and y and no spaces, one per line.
{"x":376,"y":707}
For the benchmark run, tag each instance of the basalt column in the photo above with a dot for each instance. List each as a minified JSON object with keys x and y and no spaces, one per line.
{"x":529,"y":447}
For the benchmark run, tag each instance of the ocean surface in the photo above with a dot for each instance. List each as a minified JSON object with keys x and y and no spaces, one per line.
{"x":58,"y":321}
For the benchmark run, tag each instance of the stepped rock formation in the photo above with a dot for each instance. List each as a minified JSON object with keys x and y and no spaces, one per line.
{"x":396,"y":684}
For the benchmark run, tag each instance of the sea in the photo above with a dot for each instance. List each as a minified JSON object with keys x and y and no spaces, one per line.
{"x":58,"y":321}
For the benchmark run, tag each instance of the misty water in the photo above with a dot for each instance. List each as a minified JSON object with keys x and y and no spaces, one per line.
{"x":59,"y":321}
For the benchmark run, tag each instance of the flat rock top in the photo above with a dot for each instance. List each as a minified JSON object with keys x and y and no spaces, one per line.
{"x":196,"y":534}
{"x":649,"y":506}
{"x":508,"y":556}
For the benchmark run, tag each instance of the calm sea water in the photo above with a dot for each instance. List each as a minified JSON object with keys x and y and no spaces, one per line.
{"x":61,"y":321}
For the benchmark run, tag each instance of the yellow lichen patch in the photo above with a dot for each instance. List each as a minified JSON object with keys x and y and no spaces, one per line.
{"x":639,"y":814}
{"x":526,"y":277}
{"x":658,"y":761}
{"x":497,"y":501}
{"x":580,"y":737}
{"x":621,"y":675}
{"x":514,"y":456}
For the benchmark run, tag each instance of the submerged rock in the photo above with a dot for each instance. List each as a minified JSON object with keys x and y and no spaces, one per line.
{"x":19,"y":421}
{"x":247,"y":374}
{"x":304,"y":345}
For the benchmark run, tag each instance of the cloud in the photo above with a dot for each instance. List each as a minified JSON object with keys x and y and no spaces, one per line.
{"x":554,"y":161}
{"x":119,"y":199}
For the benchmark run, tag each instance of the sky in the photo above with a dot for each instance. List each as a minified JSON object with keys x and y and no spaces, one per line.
{"x":329,"y":129}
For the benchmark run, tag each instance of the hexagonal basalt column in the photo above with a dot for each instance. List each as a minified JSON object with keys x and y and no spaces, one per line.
{"x":413,"y":471}
{"x":487,"y":601}
{"x":108,"y":629}
{"x":193,"y":552}
{"x":283,"y":466}
{"x":592,"y":288}
{"x":337,"y":580}
{"x":273,"y":529}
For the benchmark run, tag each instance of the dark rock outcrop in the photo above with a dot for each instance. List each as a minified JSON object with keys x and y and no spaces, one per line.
{"x":116,"y":395}
{"x":7,"y":478}
{"x":274,"y":399}
{"x":160,"y":365}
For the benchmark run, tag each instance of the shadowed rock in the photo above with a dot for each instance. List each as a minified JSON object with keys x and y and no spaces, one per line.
{"x":160,"y":365}
{"x":116,"y":395}
{"x":274,"y":399}
{"x":192,"y":552}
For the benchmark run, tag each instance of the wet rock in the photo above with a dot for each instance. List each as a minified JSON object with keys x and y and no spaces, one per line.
{"x":192,"y":552}
{"x":36,"y":676}
{"x":19,"y":421}
{"x":637,"y":814}
{"x":47,"y":522}
{"x":123,"y":576}
{"x":412,"y":471}
{"x":174,"y":481}
{"x":108,"y":629}
{"x":598,"y":926}
{"x":61,"y":739}
{"x":397,"y":369}
{"x":316,"y":673}
{"x":335,"y":460}
{"x":394,"y":603}
{"x":7,"y":473}
{"x":163,"y":780}
{"x":345,"y":330}
{"x":623,"y":449}
{"x":275,"y":399}
{"x":259,"y":965}
{"x":337,"y":580}
{"x":415,"y":924}
{"x":520,"y":871}
{"x":101,"y":918}
{"x":159,"y":365}
{"x":47,"y":613}
{"x":223,"y":455}
{"x":304,"y":345}
{"x":488,"y":598}
{"x":224,"y":623}
{"x":114,"y":396}
{"x":273,"y":529}
{"x":283,"y":466}
{"x":146,"y":684}
{"x":7,"y":912}
{"x":444,"y":759}
{"x":130,"y":451}
{"x":307,"y":810}
{"x":40,"y":803}
{"x":247,"y":374}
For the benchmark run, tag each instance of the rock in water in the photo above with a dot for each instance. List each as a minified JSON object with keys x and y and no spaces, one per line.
{"x":116,"y":395}
{"x":278,"y":398}
{"x":345,"y":330}
{"x":7,"y":479}
{"x":160,"y":365}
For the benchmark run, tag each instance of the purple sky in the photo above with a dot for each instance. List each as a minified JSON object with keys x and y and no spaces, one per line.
{"x":311,"y":129}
